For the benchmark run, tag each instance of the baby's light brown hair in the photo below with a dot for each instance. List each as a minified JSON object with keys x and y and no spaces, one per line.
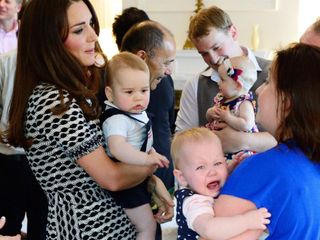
{"x":192,"y":135}
{"x":122,"y":61}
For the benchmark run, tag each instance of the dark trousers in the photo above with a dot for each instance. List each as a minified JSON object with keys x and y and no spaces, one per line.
{"x":21,"y":194}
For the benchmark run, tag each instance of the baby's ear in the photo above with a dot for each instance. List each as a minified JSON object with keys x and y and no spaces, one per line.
{"x":142,"y":54}
{"x":180,"y":178}
{"x":239,"y":84}
{"x":109,"y":94}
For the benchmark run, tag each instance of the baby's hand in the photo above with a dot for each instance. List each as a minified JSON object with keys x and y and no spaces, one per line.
{"x":219,"y":125}
{"x":242,"y":155}
{"x":223,"y":113}
{"x":258,"y":219}
{"x":237,"y":159}
{"x":211,"y":114}
{"x":158,"y":159}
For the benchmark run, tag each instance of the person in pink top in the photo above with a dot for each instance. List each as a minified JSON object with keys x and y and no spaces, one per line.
{"x":8,"y":24}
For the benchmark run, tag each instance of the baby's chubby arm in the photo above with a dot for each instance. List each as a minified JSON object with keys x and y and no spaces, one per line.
{"x":125,"y":152}
{"x":211,"y":227}
{"x":198,"y":210}
{"x":244,"y":122}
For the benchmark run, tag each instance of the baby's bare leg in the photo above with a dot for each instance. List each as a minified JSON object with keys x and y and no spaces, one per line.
{"x":143,"y":220}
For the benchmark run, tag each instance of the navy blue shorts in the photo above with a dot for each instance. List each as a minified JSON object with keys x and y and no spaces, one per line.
{"x":133,"y":197}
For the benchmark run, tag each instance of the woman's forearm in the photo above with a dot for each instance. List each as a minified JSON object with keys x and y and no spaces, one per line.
{"x":235,"y":141}
{"x":113,"y":176}
{"x":131,"y":175}
{"x":259,"y":142}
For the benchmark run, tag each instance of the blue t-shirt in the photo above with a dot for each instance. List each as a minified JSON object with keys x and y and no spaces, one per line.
{"x":287,"y":183}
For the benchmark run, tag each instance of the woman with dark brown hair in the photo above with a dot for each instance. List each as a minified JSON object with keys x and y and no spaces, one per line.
{"x":286,"y":178}
{"x":54,"y":116}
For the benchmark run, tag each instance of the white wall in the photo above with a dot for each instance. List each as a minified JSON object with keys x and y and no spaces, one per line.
{"x":280,"y":21}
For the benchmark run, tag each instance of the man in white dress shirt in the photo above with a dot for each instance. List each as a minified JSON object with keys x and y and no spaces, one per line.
{"x":215,"y":37}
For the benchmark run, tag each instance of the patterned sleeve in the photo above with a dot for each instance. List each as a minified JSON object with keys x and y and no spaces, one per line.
{"x":69,"y":131}
{"x":195,"y":206}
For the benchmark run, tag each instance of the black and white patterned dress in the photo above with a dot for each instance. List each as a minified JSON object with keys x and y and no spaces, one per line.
{"x":78,"y":207}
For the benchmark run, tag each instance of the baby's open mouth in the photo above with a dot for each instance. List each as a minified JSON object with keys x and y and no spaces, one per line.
{"x":213,"y":185}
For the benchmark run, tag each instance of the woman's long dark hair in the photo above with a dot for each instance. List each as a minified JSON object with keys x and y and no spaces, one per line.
{"x":42,"y":57}
{"x":296,"y":74}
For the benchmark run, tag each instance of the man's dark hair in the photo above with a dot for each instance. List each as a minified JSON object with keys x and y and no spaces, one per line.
{"x":122,"y":23}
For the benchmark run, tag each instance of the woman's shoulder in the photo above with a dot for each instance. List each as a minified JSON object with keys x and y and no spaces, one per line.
{"x":276,"y":158}
{"x":282,"y":149}
{"x":44,"y":98}
{"x":47,"y":89}
{"x":265,"y":160}
{"x":46,"y":94}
